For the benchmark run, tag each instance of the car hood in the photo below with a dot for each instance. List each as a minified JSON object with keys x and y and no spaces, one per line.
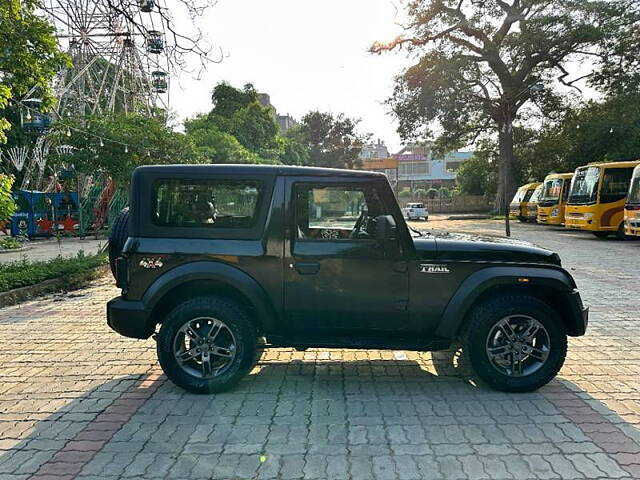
{"x":467,"y":247}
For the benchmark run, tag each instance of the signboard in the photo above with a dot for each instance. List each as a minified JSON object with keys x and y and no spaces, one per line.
{"x":379,"y":163}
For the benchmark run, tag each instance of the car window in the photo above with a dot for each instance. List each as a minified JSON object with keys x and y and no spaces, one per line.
{"x":335,"y":212}
{"x":205,"y":203}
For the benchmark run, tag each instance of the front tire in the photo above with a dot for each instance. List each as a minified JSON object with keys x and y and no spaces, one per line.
{"x":515,"y":343}
{"x":207,"y":344}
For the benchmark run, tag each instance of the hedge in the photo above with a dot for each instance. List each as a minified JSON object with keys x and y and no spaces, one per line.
{"x":23,"y":273}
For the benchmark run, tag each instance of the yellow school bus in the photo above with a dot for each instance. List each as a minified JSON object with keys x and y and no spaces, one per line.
{"x":519,"y":206}
{"x":553,"y":199}
{"x":532,"y":205}
{"x":632,"y":207}
{"x":597,"y":197}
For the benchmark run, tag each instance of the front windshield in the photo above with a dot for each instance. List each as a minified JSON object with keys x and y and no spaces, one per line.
{"x":551,"y":190}
{"x":634,"y":188}
{"x":584,"y":187}
{"x":517,"y":198}
{"x":535,"y":198}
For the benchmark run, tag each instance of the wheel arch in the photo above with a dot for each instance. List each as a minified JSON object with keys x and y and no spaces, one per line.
{"x":553,"y":286}
{"x":208,"y":278}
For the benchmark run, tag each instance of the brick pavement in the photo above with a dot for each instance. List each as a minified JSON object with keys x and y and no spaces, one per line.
{"x":77,"y":400}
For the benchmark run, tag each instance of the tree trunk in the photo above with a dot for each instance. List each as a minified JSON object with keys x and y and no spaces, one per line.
{"x":506,"y":182}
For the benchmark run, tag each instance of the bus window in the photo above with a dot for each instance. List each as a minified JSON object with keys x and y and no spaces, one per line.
{"x":615,"y":184}
{"x":584,"y":187}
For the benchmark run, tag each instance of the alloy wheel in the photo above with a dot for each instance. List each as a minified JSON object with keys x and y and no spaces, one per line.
{"x":204,"y":347}
{"x":518,"y":345}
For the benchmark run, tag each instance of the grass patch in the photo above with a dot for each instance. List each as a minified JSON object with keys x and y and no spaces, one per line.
{"x":23,"y":273}
{"x":501,"y":217}
{"x":9,"y":243}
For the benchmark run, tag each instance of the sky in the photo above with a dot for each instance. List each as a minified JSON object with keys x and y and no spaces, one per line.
{"x":307,"y":55}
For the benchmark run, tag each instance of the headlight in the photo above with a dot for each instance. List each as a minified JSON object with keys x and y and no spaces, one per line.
{"x":555,"y":212}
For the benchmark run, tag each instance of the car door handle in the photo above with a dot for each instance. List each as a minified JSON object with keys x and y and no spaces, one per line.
{"x":307,"y":268}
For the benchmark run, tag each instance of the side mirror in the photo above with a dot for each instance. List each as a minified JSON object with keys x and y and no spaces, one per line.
{"x":385,"y":229}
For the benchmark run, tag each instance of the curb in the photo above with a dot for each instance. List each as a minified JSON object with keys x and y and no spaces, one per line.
{"x":71,"y":282}
{"x":14,"y":250}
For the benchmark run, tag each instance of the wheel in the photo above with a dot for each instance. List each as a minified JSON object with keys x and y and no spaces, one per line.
{"x":207,"y":344}
{"x":515,"y":343}
{"x":601,"y":234}
{"x":119,"y":234}
{"x":620,"y":235}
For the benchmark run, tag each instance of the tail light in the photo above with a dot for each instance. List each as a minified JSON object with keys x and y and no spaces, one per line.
{"x":122,"y":273}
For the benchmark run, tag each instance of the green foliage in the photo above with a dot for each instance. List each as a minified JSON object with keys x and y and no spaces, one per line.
{"x":9,"y":243}
{"x":23,"y":273}
{"x":29,"y":55}
{"x":477,"y":176}
{"x":420,"y":193}
{"x":148,"y":140}
{"x":7,"y":204}
{"x":332,"y":140}
{"x":404,"y":192}
{"x":432,"y":193}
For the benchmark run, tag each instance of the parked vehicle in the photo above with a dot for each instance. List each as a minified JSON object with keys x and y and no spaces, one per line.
{"x":553,"y":199}
{"x":519,"y":206}
{"x":218,"y":257}
{"x":532,"y":205}
{"x":597,"y":198}
{"x":632,"y":207}
{"x":415,"y":211}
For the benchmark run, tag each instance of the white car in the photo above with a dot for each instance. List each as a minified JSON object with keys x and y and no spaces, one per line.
{"x":415,"y":211}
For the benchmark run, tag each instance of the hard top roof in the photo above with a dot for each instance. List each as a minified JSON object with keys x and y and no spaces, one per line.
{"x":240,"y":169}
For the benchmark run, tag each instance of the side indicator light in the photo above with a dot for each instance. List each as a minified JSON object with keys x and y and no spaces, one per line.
{"x":523,"y":280}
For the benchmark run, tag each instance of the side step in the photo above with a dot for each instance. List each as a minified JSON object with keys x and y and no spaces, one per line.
{"x":302,"y":342}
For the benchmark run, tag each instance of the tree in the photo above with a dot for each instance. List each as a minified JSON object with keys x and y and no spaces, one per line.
{"x":29,"y":56}
{"x":480,"y":62}
{"x":144,"y":141}
{"x":7,"y":205}
{"x":243,"y":130}
{"x":332,"y":140}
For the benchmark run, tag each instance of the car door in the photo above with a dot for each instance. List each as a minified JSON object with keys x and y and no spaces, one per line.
{"x":338,"y":278}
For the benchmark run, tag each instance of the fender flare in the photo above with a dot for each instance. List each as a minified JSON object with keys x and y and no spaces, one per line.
{"x":217,"y":271}
{"x":479,"y":282}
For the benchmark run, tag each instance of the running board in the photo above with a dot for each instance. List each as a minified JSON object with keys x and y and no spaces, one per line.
{"x":378,"y":343}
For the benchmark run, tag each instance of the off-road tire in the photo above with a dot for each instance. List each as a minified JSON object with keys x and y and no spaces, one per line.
{"x":119,"y":234}
{"x":601,"y":234}
{"x":486,"y":315}
{"x":238,"y":321}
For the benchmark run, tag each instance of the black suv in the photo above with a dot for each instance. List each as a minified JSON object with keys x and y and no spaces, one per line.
{"x":224,"y":260}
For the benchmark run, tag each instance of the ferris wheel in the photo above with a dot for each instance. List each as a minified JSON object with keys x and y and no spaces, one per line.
{"x":119,"y":57}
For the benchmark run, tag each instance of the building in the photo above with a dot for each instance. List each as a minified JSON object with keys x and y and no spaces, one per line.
{"x":417,"y":168}
{"x":374,"y":150}
{"x":285,"y":122}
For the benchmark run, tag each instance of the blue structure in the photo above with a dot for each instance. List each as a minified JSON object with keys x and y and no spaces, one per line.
{"x":40,"y":214}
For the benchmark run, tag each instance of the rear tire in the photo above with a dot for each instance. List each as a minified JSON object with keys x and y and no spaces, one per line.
{"x":118,"y":237}
{"x":491,"y":353}
{"x":210,"y":325}
{"x":601,"y":234}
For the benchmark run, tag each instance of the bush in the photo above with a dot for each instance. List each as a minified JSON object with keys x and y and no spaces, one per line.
{"x":420,"y":193}
{"x":404,"y":192}
{"x":24,"y":273}
{"x":9,"y":243}
{"x":432,"y":193}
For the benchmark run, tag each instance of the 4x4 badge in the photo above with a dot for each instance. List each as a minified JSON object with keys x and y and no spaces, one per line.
{"x":150,"y":262}
{"x":433,"y":268}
